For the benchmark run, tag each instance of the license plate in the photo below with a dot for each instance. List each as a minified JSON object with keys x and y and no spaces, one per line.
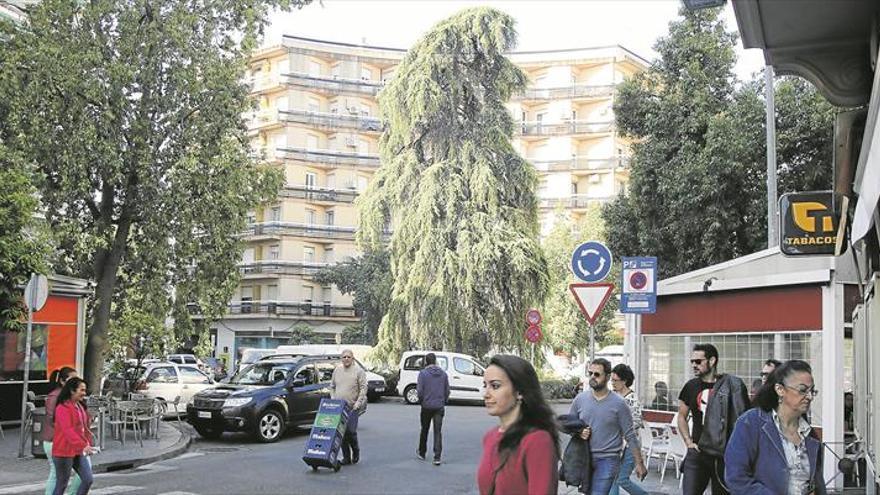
{"x":380,"y":389}
{"x":205,"y":414}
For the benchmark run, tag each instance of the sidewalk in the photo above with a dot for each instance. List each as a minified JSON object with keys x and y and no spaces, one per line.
{"x":172,"y":442}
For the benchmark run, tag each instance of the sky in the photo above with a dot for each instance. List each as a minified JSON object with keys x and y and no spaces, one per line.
{"x":541,"y":24}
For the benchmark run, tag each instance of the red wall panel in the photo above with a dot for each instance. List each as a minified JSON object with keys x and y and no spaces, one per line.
{"x":755,"y":310}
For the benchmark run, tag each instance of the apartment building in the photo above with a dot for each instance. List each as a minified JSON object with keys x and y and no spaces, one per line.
{"x":318,"y":121}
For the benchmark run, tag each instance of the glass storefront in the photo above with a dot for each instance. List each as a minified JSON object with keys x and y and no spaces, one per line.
{"x":12,"y":354}
{"x":666,"y":366}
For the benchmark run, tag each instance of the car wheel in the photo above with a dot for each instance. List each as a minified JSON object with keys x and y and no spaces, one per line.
{"x":270,"y":426}
{"x":411,"y":395}
{"x":208,"y":432}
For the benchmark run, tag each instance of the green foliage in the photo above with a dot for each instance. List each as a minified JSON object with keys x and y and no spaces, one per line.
{"x":559,"y":389}
{"x":133,"y":112}
{"x":697,"y":191}
{"x":465,"y":258}
{"x":301,"y":334}
{"x":564,"y":326}
{"x":368,"y":279}
{"x":23,"y":245}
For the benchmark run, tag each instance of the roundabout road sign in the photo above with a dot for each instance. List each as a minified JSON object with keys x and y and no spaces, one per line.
{"x":591,"y":262}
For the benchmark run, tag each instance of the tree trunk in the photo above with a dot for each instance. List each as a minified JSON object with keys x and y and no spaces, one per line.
{"x":94,"y":358}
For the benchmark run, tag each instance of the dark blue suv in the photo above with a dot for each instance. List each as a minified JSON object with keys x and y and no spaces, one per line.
{"x":265,"y":398}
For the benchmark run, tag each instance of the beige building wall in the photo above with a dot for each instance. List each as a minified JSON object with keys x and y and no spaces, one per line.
{"x":317,"y":120}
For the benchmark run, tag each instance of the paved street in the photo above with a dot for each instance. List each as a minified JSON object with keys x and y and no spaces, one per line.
{"x":389,"y":433}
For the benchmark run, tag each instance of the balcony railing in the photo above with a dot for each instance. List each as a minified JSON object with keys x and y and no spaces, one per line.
{"x":319,"y":194}
{"x":280,"y":267}
{"x":329,"y":157}
{"x":566,"y":92}
{"x":333,"y":84}
{"x":262,"y":118}
{"x":573,"y":201}
{"x":562,"y":128}
{"x":291,"y":308}
{"x":301,"y":229}
{"x":332,"y":120}
{"x":581,"y":163}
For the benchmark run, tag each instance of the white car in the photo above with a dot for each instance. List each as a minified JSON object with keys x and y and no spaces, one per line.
{"x":465,"y":375}
{"x":171,"y":380}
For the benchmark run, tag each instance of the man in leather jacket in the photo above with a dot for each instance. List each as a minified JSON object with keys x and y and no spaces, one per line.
{"x":714,"y":402}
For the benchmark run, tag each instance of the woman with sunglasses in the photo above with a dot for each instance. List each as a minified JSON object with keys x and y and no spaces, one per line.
{"x":520,"y":455}
{"x":772,"y":449}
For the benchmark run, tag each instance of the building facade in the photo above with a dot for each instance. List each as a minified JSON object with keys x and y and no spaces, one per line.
{"x":318,"y":120}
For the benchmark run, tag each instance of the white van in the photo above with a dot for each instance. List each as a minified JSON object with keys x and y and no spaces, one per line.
{"x":375,"y":383}
{"x":465,"y":375}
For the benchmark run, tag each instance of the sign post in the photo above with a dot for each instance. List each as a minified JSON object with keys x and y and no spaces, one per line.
{"x":533,"y":332}
{"x":35,"y":295}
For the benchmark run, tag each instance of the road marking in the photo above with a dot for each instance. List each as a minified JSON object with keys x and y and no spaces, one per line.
{"x":110,"y":490}
{"x":33,"y":487}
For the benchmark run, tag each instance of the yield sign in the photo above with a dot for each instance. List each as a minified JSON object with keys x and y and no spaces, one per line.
{"x":591,"y":298}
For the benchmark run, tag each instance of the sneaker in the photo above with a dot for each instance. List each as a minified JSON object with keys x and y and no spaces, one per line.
{"x":436,"y":462}
{"x":420,"y":455}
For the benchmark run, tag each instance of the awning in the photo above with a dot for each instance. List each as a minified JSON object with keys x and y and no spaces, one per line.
{"x":869,"y":191}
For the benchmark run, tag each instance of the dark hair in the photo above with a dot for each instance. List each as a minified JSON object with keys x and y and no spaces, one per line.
{"x":69,"y":388}
{"x":709,"y":350}
{"x":535,"y":413}
{"x":430,"y":358}
{"x":767,"y":398}
{"x":59,"y":376}
{"x":604,"y":363}
{"x":625,"y":373}
{"x":773,"y":362}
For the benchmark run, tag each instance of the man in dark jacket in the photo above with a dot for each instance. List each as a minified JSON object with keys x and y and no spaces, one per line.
{"x":433,"y":388}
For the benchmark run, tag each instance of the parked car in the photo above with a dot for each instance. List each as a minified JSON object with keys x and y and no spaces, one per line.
{"x":376,"y":386}
{"x":464,"y":371}
{"x":171,"y":380}
{"x":187,"y":359}
{"x":264,"y":398}
{"x":120,"y":383}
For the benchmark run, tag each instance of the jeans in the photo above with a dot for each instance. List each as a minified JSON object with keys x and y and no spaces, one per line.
{"x":83,"y":467}
{"x":432,"y":416}
{"x":350,"y":448}
{"x":605,"y":471}
{"x":698,"y":470}
{"x":50,"y":483}
{"x":628,"y":463}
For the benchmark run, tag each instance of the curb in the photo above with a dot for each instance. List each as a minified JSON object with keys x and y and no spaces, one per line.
{"x":181,"y":446}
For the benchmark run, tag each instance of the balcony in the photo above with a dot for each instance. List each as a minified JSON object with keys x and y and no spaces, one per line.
{"x":263,"y":119}
{"x":575,"y":91}
{"x":540,"y":129}
{"x":271,"y":268}
{"x":329,"y":157}
{"x":333,"y":85}
{"x":575,"y":201}
{"x":276,"y":229}
{"x":264,"y":82}
{"x":290,"y":308}
{"x":319,"y":195}
{"x":324,"y":120}
{"x":581,"y":163}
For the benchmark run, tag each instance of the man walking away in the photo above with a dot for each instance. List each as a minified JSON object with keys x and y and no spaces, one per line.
{"x":714,"y":402}
{"x":349,"y":383}
{"x":433,"y":388}
{"x":608,"y":421}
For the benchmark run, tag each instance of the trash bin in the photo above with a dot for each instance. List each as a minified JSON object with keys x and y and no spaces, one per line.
{"x":37,"y":417}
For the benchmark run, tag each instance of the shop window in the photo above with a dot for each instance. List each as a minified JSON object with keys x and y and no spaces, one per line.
{"x":12,"y":345}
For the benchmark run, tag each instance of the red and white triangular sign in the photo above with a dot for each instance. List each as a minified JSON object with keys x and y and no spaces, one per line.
{"x":591,"y":298}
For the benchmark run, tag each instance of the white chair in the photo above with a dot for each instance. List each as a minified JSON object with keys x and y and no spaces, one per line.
{"x":653,"y":445}
{"x":676,"y":450}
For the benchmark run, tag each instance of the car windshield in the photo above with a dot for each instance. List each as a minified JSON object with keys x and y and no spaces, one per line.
{"x":264,"y":373}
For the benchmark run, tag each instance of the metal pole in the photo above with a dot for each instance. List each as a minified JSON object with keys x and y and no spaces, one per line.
{"x":592,"y":343}
{"x":772,"y":213}
{"x":27,"y":371}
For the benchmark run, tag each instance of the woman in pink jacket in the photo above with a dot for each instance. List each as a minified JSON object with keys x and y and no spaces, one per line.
{"x":57,"y":380}
{"x":72,"y":442}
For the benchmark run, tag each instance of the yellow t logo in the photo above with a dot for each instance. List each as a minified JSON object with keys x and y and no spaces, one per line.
{"x":806,"y":222}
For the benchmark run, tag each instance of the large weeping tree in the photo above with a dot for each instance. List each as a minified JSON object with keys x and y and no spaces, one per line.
{"x":131,"y":111}
{"x":465,"y":256}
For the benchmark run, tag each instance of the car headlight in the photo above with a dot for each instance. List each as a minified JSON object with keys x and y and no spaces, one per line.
{"x":236,"y":401}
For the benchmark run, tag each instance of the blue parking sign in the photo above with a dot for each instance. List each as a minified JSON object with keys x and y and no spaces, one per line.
{"x":638,"y":285}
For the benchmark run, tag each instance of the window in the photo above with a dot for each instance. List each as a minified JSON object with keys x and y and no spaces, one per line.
{"x":366,"y":73}
{"x":12,"y":358}
{"x":327,"y":294}
{"x":325,"y":371}
{"x":308,"y":293}
{"x":165,"y":374}
{"x":328,"y":255}
{"x":190,"y":360}
{"x":416,"y":362}
{"x":464,"y":366}
{"x":275,"y":214}
{"x":308,"y":254}
{"x":251,"y":217}
{"x":314,"y":105}
{"x":274,"y":252}
{"x":330,"y":217}
{"x":305,"y":376}
{"x":272,"y":292}
{"x":311,"y":216}
{"x":192,"y":375}
{"x":311,"y":180}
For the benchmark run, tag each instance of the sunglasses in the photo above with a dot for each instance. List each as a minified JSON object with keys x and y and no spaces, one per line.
{"x":763,"y":374}
{"x":697,"y":361}
{"x":595,"y":374}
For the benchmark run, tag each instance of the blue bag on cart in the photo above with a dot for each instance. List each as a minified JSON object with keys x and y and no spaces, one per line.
{"x":325,"y":439}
